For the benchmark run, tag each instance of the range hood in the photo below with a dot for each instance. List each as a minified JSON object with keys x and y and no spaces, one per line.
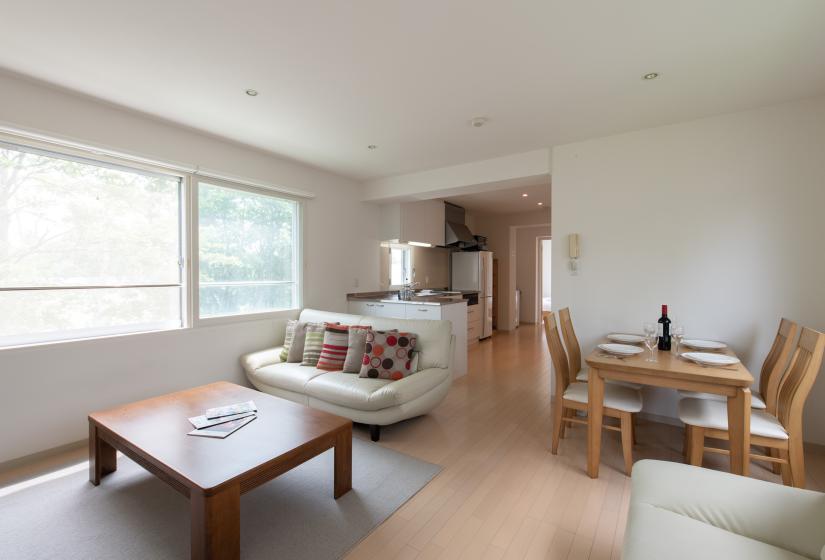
{"x":455,"y":230}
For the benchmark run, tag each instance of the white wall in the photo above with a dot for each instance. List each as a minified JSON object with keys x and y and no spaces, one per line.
{"x":721,"y":218}
{"x":48,"y":390}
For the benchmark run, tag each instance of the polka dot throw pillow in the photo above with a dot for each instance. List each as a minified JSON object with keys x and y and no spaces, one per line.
{"x":388,"y":355}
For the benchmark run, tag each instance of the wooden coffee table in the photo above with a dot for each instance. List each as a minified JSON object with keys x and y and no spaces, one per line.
{"x":213,"y":473}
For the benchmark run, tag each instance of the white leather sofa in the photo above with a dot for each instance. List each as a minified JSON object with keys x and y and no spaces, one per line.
{"x":682,"y":512}
{"x":377,"y":402}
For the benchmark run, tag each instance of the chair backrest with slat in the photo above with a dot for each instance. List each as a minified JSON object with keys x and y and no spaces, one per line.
{"x":574,"y":353}
{"x":800,"y":377}
{"x":774,"y":365}
{"x":559,"y":357}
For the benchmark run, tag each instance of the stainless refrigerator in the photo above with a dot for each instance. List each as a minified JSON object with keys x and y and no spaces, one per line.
{"x":472,"y":271}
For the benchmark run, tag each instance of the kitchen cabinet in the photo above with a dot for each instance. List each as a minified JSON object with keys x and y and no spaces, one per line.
{"x":423,"y":311}
{"x":378,"y":309}
{"x":421,"y":221}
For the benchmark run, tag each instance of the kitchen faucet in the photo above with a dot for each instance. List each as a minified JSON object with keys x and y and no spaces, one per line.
{"x":408,"y":290}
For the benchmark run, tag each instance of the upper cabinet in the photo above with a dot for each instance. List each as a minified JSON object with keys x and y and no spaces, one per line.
{"x":420,"y":222}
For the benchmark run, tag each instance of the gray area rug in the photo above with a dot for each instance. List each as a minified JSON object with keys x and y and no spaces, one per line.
{"x":132,"y":514}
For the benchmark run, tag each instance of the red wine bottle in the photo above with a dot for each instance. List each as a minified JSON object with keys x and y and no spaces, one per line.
{"x":664,"y":338}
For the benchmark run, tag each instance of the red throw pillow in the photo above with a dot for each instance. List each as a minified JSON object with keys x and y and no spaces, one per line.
{"x":388,"y":355}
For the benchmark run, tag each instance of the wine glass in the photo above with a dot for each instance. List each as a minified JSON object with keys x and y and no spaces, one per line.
{"x":678,"y":332}
{"x":651,"y":339}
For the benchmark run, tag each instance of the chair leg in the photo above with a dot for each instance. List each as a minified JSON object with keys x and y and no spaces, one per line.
{"x":797,"y":461}
{"x":566,"y":413}
{"x":785,"y":468}
{"x":686,"y":444}
{"x":634,"y":422}
{"x":626,"y":425}
{"x":776,"y":468}
{"x":696,"y":451}
{"x":558,"y":415}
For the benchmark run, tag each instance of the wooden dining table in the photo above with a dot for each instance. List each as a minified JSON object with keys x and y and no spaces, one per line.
{"x":673,"y":372}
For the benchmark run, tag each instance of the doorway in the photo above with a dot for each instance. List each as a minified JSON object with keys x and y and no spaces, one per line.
{"x":544,"y":247}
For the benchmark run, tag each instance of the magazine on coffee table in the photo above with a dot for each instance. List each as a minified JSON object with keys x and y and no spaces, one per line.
{"x":230,"y":410}
{"x":200,"y":422}
{"x":224,"y":429}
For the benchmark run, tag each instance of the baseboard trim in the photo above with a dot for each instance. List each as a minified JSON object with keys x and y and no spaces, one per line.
{"x":41,"y":456}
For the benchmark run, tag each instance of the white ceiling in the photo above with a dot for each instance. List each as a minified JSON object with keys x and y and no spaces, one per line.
{"x":408,"y":75}
{"x":506,"y":201}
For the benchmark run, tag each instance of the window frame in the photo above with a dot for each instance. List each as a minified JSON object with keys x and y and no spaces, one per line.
{"x":408,"y":259}
{"x":194,"y":268}
{"x":187,"y":236}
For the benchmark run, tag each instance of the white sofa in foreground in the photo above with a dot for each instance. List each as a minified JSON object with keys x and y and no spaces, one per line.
{"x":377,"y":402}
{"x":682,"y":512}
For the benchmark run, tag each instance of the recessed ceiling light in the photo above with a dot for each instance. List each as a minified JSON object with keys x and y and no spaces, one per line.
{"x":540,"y":203}
{"x":478,"y":122}
{"x":372,"y":147}
{"x":252,"y":92}
{"x":524,"y":195}
{"x":650,"y":76}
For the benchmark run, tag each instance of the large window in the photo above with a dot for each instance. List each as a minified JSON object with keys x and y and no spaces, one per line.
{"x":86,"y":248}
{"x":247,"y":251}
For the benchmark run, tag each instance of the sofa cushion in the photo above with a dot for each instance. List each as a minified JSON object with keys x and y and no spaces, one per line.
{"x":313,"y":343}
{"x":373,"y":394}
{"x":288,"y":338}
{"x":334,"y":349}
{"x":388,"y":355}
{"x":731,"y":503}
{"x":433,"y":337}
{"x":356,"y":346}
{"x":291,"y":377}
{"x":655,"y":534}
{"x":295,"y":352}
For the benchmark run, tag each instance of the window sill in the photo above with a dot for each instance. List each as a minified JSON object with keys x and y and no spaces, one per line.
{"x":200,"y":323}
{"x":247,"y":317}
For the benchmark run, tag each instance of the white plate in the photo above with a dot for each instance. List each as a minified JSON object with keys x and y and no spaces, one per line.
{"x":620,"y":349}
{"x":703,"y":344}
{"x":706,"y":359}
{"x":626,"y":338}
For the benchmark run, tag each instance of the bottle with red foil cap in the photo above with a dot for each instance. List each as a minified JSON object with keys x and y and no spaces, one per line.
{"x":664,"y":335}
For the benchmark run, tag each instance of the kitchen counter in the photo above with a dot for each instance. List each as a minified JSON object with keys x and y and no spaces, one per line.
{"x":392,"y":297}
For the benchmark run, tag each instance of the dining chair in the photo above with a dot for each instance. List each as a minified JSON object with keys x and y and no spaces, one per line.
{"x":781,"y":432}
{"x":770,"y":377}
{"x":574,"y":354}
{"x":570,"y":396}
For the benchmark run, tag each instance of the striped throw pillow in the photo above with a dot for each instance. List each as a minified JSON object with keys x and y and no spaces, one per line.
{"x":290,"y":334}
{"x":313,"y":343}
{"x":334,"y":350}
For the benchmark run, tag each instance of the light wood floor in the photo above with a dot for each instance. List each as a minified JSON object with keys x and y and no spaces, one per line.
{"x":501,"y":494}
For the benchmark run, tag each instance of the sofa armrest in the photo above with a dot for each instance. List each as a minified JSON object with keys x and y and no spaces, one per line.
{"x":410,"y":387}
{"x":788,"y":518}
{"x":257,"y":360}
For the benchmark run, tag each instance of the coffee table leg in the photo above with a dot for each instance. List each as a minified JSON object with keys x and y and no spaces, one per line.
{"x":102,"y":456}
{"x":343,"y":462}
{"x":216,"y":524}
